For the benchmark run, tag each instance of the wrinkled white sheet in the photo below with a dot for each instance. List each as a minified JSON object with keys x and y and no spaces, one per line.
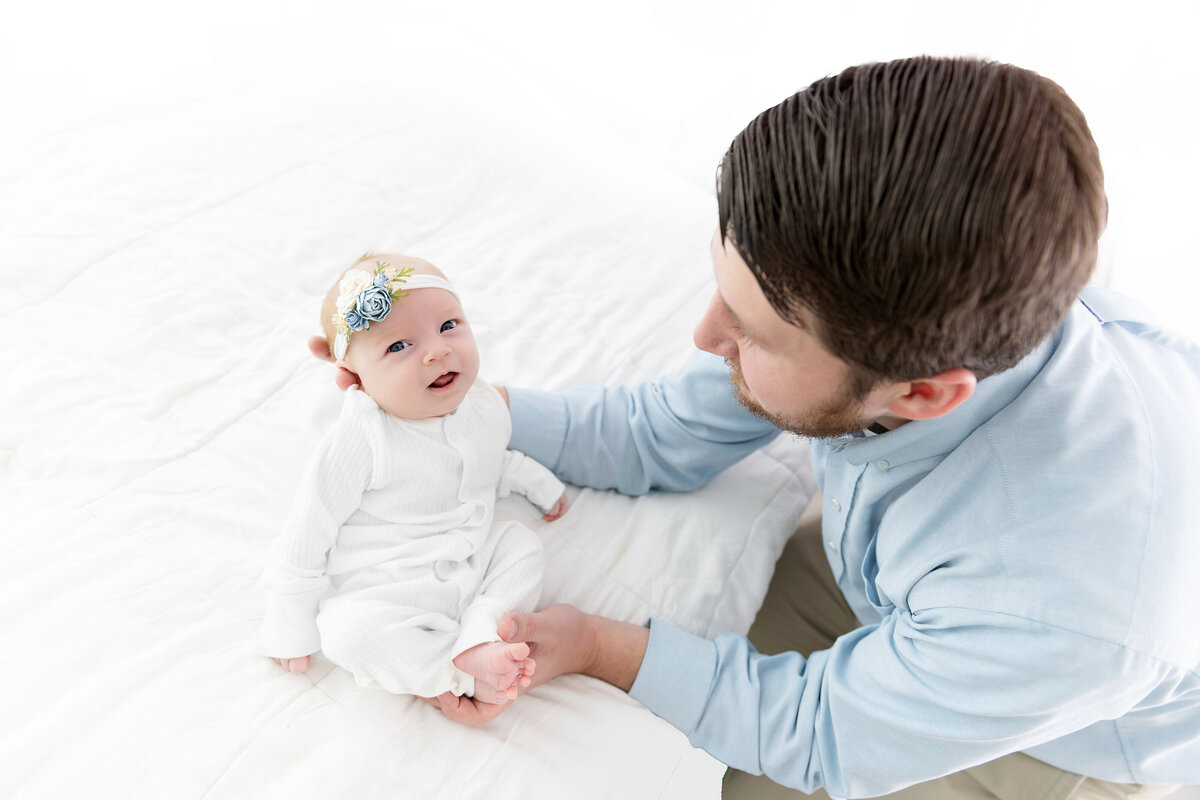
{"x":160,"y":269}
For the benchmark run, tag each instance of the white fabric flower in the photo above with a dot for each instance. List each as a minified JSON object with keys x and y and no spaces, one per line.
{"x":353,"y":283}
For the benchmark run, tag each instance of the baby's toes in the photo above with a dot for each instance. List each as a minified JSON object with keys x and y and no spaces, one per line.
{"x":517,"y":651}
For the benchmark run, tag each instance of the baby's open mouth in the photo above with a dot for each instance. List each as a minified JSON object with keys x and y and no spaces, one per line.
{"x":444,"y":380}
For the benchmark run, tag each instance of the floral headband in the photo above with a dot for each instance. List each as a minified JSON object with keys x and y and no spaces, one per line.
{"x":365,"y":297}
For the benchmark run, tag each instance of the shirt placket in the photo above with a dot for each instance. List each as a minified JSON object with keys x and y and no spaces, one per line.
{"x":837,"y":493}
{"x":843,"y":533}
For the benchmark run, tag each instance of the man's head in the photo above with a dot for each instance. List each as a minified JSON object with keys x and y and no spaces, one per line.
{"x":917,"y":219}
{"x":417,"y":358}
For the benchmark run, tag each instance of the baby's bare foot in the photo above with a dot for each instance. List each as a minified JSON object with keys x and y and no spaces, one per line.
{"x":293,"y":664}
{"x":499,"y":669}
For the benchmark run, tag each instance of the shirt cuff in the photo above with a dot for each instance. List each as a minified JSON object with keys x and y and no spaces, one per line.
{"x":676,"y":675}
{"x":539,"y":424}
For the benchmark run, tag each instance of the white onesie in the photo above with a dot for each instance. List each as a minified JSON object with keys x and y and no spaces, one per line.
{"x":389,"y":562}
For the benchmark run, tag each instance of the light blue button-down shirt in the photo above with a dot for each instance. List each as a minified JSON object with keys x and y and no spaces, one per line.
{"x":1026,"y":568}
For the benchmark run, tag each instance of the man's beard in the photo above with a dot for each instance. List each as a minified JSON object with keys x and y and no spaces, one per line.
{"x":838,"y":416}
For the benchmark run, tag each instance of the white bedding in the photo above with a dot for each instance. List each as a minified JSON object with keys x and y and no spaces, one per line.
{"x":160,"y":269}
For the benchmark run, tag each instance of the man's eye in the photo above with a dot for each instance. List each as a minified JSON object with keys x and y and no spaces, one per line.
{"x":449,"y":324}
{"x":396,"y":347}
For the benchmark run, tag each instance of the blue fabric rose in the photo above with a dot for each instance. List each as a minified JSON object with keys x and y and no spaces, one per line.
{"x":355,"y":321}
{"x":373,"y":304}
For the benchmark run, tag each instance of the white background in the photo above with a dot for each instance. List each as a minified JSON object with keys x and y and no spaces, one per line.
{"x":672,"y":80}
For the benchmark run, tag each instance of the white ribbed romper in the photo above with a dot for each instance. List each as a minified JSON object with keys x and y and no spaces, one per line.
{"x":389,"y":562}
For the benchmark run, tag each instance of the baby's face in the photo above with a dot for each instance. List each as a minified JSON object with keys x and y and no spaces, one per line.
{"x":420,"y":360}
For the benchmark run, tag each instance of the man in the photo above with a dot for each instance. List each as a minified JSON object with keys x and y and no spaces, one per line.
{"x":1005,"y":467}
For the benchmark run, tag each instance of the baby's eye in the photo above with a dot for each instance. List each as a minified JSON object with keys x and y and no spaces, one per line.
{"x":396,"y":347}
{"x":449,"y":324}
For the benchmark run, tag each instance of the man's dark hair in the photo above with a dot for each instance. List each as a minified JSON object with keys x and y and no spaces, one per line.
{"x":930,"y":213}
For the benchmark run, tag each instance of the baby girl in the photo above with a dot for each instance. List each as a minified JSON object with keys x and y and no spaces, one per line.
{"x":390,"y":562}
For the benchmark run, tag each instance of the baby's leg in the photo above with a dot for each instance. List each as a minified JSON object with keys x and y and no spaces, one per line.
{"x":512,"y":577}
{"x":512,"y":581}
{"x":405,"y":650}
{"x":498,"y":668}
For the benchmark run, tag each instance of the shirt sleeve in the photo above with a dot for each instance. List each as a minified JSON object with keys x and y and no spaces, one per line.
{"x":295,"y":580}
{"x":889,"y":705}
{"x":676,"y":433}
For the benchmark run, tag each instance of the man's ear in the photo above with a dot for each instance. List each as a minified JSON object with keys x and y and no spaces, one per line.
{"x":932,"y":397}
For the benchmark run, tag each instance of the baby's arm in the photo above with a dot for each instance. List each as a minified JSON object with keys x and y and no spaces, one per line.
{"x":557,"y":510}
{"x":295,"y":577}
{"x":524,"y":475}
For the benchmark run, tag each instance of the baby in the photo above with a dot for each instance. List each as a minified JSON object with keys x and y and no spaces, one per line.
{"x":390,"y":562}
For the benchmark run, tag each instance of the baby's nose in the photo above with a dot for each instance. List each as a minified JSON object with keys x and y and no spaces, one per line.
{"x":436,"y":353}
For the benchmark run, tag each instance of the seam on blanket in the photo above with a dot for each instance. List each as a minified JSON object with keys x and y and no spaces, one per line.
{"x":792,"y":486}
{"x":314,"y":685}
{"x":207,"y":439}
{"x":667,"y":783}
{"x":752,"y":533}
{"x":435,"y":781}
{"x":635,"y":353}
{"x":639,"y":599}
{"x":198,"y":210}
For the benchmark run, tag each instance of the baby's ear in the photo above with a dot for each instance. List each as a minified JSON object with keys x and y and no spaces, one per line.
{"x":319,"y":347}
{"x":344,"y":378}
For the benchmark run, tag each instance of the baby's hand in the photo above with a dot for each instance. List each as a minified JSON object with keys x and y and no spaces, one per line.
{"x":560,"y":508}
{"x":296,"y":665}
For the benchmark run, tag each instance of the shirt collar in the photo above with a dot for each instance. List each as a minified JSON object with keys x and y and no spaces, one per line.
{"x":934,"y":437}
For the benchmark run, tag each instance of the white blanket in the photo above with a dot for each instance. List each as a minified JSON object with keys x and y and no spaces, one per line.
{"x":160,"y":269}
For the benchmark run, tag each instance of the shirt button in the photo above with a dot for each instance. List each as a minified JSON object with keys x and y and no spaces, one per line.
{"x":836,"y":505}
{"x":882,"y":464}
{"x":833,"y":546}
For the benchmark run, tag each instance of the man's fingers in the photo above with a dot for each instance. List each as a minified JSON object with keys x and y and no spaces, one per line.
{"x":448,"y":702}
{"x":517,"y":627}
{"x":468,"y":711}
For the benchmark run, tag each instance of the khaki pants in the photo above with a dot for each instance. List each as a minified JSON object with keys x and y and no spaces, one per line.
{"x":804,"y":611}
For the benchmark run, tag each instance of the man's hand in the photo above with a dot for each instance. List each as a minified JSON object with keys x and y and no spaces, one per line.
{"x":562,"y":640}
{"x":466,"y":710}
{"x":559,"y":641}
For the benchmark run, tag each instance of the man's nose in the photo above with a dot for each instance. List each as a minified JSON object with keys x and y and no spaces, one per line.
{"x":710,"y":333}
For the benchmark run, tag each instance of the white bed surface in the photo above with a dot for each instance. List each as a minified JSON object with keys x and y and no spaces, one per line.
{"x":160,"y":269}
